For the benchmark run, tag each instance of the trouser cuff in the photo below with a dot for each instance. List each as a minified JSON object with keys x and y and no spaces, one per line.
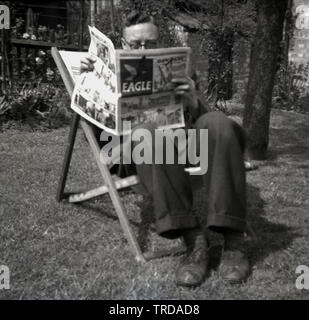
{"x":172,"y":227}
{"x":223,"y":221}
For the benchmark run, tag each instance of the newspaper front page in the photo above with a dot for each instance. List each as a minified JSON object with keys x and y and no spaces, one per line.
{"x":131,"y":85}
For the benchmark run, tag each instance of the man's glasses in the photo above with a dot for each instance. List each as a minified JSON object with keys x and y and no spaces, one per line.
{"x":144,"y":44}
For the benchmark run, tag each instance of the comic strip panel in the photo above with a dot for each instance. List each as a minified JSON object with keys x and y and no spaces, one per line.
{"x":166,"y":69}
{"x":165,"y":110}
{"x":102,"y":48}
{"x":102,"y":116}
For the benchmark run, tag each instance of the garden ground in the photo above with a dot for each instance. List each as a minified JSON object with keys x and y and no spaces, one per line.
{"x":65,"y":251}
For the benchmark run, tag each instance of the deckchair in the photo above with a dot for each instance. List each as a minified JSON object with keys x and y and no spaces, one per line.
{"x":111,"y":186}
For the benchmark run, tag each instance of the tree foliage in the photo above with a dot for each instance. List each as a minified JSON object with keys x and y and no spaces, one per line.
{"x":218,"y":24}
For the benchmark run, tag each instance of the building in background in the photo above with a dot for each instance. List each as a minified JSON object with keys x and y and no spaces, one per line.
{"x":299,"y":45}
{"x":297,"y":49}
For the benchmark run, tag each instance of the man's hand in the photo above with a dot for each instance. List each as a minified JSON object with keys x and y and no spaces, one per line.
{"x":186,"y":87}
{"x":86,"y":64}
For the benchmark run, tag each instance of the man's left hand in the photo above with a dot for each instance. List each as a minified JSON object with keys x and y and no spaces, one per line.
{"x":186,"y":87}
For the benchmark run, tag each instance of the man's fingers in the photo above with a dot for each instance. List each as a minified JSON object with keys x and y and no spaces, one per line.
{"x":185,"y":87}
{"x":182,"y":87}
{"x":85,"y":69}
{"x":91,"y":59}
{"x":180,"y":92}
{"x":85,"y":66}
{"x":88,"y":60}
{"x":86,"y":63}
{"x":180,"y":80}
{"x":184,"y":83}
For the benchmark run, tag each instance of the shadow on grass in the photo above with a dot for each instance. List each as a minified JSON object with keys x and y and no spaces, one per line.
{"x":271,"y":237}
{"x":289,"y":141}
{"x":147,"y":222}
{"x":144,"y":226}
{"x":296,"y":153}
{"x":107,"y":213}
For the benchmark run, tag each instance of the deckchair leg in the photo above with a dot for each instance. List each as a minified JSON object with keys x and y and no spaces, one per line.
{"x":67,"y":157}
{"x":110,"y":183}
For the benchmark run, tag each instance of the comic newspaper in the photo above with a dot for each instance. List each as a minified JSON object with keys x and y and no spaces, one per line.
{"x":72,"y":60}
{"x":130,"y":86}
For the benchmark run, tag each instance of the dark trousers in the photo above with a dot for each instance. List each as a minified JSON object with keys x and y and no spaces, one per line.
{"x":172,"y":193}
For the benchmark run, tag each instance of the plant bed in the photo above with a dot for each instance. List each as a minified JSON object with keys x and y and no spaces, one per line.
{"x":35,"y":106}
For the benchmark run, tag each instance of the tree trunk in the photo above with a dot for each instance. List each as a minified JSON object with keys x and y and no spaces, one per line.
{"x":263,"y":64}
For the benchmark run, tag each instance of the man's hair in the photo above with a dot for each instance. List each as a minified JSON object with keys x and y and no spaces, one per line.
{"x":136,"y":17}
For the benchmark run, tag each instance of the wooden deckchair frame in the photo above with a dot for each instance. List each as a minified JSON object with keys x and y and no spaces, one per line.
{"x":110,"y":185}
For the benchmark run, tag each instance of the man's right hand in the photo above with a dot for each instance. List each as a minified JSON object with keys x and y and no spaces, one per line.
{"x":86,"y":64}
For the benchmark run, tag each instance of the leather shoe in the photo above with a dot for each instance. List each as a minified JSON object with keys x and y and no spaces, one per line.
{"x":234,"y":266}
{"x":192,"y":271}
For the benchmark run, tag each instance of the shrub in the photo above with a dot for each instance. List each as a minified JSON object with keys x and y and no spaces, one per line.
{"x":37,"y":104}
{"x":291,"y":88}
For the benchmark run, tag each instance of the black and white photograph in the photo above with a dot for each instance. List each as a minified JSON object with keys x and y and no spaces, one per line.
{"x":154,"y":151}
{"x":166,"y":69}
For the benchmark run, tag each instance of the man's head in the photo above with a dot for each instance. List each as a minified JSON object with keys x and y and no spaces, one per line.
{"x":139,"y":32}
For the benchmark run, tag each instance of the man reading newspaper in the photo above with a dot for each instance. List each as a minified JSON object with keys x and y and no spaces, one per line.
{"x":169,"y":184}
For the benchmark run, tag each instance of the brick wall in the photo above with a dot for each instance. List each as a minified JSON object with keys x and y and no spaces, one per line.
{"x":299,"y":46}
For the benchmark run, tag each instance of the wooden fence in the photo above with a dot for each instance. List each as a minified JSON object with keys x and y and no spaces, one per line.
{"x":25,"y":48}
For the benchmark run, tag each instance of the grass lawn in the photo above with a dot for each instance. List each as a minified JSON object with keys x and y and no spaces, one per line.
{"x":64,"y":251}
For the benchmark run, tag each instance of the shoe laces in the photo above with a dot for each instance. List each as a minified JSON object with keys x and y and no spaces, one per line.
{"x":197,"y":252}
